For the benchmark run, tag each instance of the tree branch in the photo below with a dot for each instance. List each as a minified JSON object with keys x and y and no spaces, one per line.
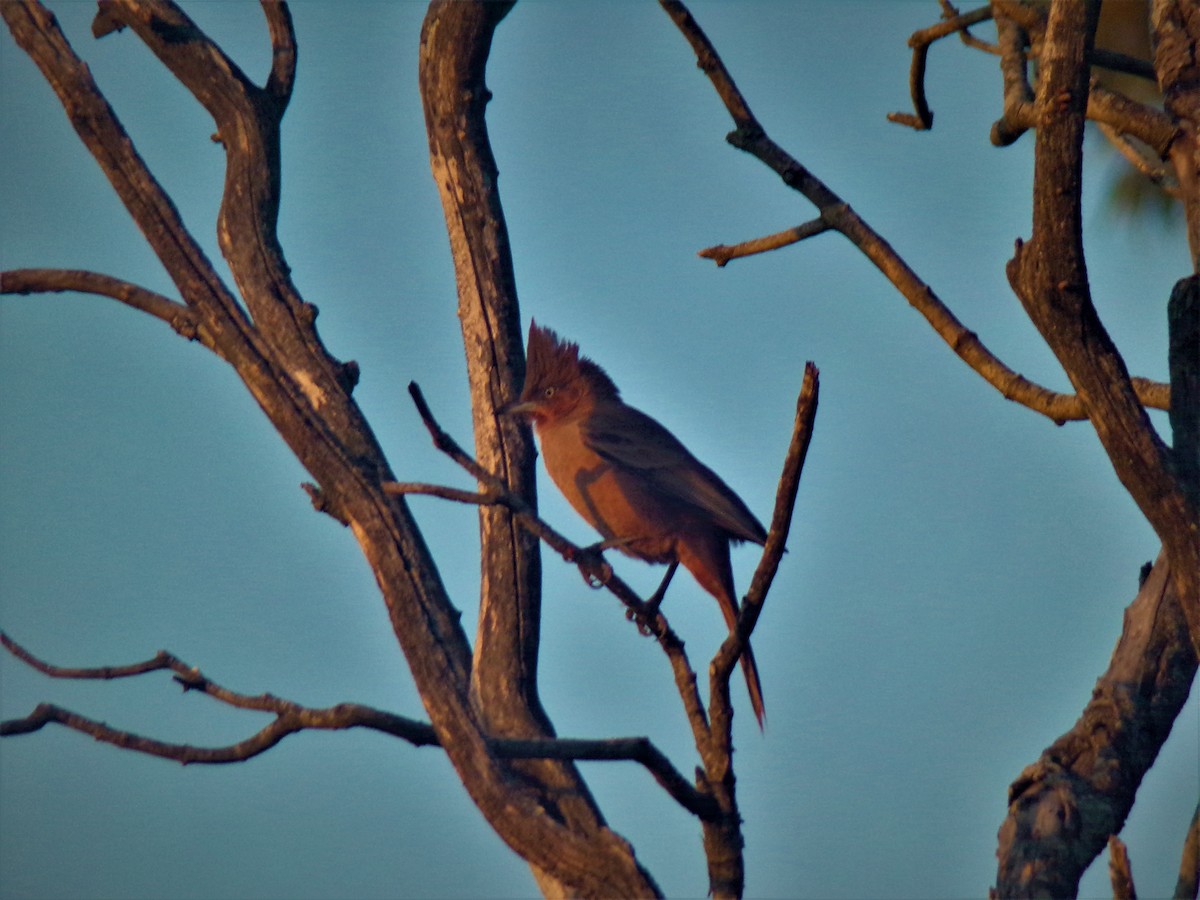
{"x":920,"y":42}
{"x":640,"y":750}
{"x":750,"y":137}
{"x":777,"y":534}
{"x":1049,"y":275}
{"x":1063,"y":807}
{"x":289,"y":717}
{"x":292,"y":717}
{"x":721,"y":254}
{"x":35,"y":281}
{"x":283,"y":51}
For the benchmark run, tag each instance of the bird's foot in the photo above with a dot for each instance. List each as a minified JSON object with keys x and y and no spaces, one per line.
{"x":592,"y":566}
{"x":648,"y":614}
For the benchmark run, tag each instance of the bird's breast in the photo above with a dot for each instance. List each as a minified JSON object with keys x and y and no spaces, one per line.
{"x":608,"y":496}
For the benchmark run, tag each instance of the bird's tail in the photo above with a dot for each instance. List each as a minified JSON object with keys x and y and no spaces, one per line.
{"x":749,"y":666}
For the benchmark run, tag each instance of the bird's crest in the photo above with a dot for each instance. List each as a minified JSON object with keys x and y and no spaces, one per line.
{"x":553,"y":362}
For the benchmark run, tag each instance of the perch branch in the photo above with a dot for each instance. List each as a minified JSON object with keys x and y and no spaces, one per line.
{"x":749,"y":136}
{"x":596,"y":572}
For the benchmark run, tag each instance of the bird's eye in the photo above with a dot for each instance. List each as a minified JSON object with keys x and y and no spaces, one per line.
{"x":549,"y":392}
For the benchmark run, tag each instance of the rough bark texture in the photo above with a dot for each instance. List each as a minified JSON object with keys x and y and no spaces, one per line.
{"x":541,"y":811}
{"x":455,"y":42}
{"x":1063,"y":807}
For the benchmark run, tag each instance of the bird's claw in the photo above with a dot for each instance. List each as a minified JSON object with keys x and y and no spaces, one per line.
{"x":592,"y":566}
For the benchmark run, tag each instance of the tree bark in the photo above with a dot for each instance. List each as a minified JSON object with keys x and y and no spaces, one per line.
{"x":541,"y":811}
{"x":1063,"y":807}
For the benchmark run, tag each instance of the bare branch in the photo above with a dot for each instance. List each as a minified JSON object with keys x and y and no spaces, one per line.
{"x":283,"y":50}
{"x":920,"y":42}
{"x":289,"y":717}
{"x":1049,"y":276}
{"x":36,"y":281}
{"x":477,"y":498}
{"x":1018,"y":115}
{"x":36,"y":31}
{"x":640,"y":750}
{"x":750,"y":137}
{"x":781,"y":521}
{"x":721,"y":254}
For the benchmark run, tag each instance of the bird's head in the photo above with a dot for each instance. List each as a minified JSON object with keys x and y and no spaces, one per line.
{"x":558,"y":381}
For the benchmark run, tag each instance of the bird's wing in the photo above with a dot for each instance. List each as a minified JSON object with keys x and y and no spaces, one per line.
{"x":628,"y":438}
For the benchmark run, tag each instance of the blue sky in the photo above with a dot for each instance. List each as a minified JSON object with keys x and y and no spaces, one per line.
{"x":958,"y":566}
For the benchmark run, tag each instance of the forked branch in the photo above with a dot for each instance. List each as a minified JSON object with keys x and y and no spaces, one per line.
{"x":835,"y":213}
{"x":291,"y":718}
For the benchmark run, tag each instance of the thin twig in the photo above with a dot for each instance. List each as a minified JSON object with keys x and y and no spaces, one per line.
{"x":1156,"y":172}
{"x":721,"y":254}
{"x":949,"y":11}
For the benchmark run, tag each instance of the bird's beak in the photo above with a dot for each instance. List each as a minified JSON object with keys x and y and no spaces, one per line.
{"x":518,"y":409}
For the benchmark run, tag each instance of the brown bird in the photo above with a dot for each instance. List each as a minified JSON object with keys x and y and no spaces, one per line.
{"x":632,"y":479}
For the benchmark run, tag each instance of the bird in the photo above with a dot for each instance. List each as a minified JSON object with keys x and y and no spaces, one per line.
{"x":632,"y":480}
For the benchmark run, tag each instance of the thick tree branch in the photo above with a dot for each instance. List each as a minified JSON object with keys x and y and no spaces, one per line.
{"x":283,"y":51}
{"x":750,"y":137}
{"x":1176,"y":37}
{"x":1063,"y":807}
{"x":1049,"y":275}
